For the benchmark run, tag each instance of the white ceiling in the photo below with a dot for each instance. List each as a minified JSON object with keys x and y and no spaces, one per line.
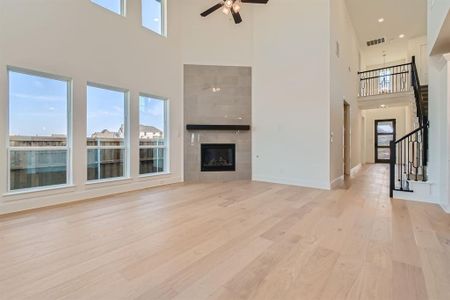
{"x":443,"y":40}
{"x":407,"y":17}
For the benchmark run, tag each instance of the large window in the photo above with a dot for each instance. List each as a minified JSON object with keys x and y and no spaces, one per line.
{"x":385,"y":81}
{"x":152,"y":135}
{"x":39,"y":140}
{"x":106,"y":132}
{"x":153,"y":15}
{"x":116,"y":6}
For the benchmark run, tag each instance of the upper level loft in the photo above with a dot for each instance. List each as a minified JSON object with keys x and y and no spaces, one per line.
{"x":391,"y":85}
{"x":386,"y":80}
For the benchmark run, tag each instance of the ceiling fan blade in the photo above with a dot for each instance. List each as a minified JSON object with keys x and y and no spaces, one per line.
{"x":211,"y":10}
{"x":236,"y":16}
{"x":255,"y":1}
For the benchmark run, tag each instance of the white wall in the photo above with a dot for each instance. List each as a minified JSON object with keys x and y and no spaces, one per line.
{"x":216,"y":39}
{"x":418,"y":47}
{"x":400,"y":114}
{"x":344,"y":86}
{"x":398,"y":51}
{"x":291,"y":73}
{"x":439,"y":96}
{"x":437,"y":12}
{"x":444,"y":136}
{"x":374,"y":64}
{"x":287,"y":43}
{"x":284,"y":43}
{"x":85,"y":42}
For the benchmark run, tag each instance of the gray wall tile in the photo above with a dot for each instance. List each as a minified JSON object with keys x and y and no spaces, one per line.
{"x":230,"y":105}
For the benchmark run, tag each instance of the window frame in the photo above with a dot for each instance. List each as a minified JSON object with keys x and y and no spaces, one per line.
{"x":123,"y":8}
{"x":166,"y":146}
{"x":126,"y":140}
{"x":163,"y":19}
{"x":385,"y":81}
{"x":69,"y":142}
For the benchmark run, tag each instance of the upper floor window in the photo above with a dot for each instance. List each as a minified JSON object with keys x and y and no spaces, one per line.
{"x":153,"y":15}
{"x":39,"y":139}
{"x":116,"y":6}
{"x":107,"y":132}
{"x":153,"y":150}
{"x":385,"y":81}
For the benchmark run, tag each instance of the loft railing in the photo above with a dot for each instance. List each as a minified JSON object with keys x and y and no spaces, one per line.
{"x":388,"y":80}
{"x":409,"y":155}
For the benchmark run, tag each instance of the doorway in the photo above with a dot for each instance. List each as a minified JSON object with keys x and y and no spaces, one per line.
{"x":385,"y":132}
{"x":347,"y":139}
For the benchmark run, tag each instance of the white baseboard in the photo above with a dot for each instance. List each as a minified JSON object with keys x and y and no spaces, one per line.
{"x":337,"y":182}
{"x":422,"y":192}
{"x":414,"y":197}
{"x":355,"y":170}
{"x":296,"y":182}
{"x":446,"y":208}
{"x":53,"y":198}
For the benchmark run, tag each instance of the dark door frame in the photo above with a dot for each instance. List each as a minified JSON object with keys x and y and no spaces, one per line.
{"x":394,"y":122}
{"x":347,"y":140}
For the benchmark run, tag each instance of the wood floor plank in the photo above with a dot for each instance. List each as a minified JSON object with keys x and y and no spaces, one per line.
{"x":436,"y":270}
{"x":343,"y":279}
{"x":373,"y":283}
{"x":409,"y":282}
{"x":404,"y":244}
{"x":245,"y":283}
{"x":312,"y":276}
{"x":231,"y":240}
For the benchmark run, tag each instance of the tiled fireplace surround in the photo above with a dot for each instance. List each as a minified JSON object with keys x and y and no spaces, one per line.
{"x":217,"y":95}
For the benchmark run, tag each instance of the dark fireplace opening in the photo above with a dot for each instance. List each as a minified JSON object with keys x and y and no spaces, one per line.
{"x":218,"y":157}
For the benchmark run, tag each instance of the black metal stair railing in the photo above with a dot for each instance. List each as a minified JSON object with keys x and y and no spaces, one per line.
{"x":408,"y":160}
{"x":409,"y":154}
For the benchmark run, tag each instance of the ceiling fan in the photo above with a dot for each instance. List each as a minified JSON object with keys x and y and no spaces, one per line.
{"x":231,"y":6}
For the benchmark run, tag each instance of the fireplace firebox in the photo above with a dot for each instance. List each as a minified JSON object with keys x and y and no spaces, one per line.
{"x":218,"y":157}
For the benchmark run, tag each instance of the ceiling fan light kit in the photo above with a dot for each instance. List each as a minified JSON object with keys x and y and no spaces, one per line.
{"x":231,"y":6}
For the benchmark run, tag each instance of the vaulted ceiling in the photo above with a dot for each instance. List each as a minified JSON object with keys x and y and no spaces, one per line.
{"x":408,"y":17}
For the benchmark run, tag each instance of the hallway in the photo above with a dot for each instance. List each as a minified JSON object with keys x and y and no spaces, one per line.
{"x":231,"y":240}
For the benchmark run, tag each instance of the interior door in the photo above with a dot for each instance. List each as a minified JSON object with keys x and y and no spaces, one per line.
{"x":384,"y":133}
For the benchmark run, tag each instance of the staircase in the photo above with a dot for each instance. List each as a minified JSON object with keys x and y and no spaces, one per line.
{"x":424,"y":93}
{"x":409,"y":154}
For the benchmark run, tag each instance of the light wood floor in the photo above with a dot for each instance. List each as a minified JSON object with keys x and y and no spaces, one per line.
{"x":236,"y":240}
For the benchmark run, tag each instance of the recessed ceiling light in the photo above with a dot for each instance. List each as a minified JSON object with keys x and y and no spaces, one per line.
{"x":401,"y":36}
{"x":382,"y":106}
{"x":380,"y":20}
